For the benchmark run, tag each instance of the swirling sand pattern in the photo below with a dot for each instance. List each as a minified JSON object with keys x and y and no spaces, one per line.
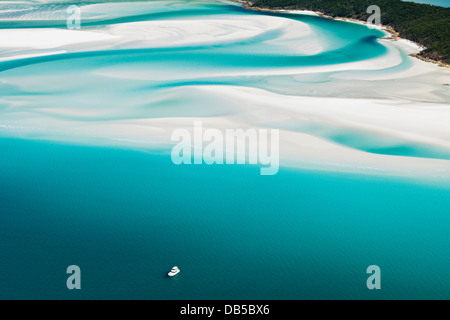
{"x":343,"y":98}
{"x":133,"y":63}
{"x":136,"y":71}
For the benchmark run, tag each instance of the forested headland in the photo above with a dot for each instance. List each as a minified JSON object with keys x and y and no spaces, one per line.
{"x":422,"y":23}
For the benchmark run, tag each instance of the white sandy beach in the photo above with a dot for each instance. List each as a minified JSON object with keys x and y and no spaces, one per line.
{"x":371,"y":97}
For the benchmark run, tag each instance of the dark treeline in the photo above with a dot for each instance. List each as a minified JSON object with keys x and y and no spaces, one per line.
{"x":422,"y":23}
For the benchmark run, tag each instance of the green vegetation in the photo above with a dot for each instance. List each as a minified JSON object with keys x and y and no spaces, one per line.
{"x":422,"y":23}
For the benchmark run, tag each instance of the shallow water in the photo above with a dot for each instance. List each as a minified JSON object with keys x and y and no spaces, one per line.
{"x":84,"y":88}
{"x":126,"y":217}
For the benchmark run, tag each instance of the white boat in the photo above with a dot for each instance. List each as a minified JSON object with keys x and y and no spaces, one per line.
{"x":174,"y":271}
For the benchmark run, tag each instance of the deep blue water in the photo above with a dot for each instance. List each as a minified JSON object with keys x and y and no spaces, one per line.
{"x":126,"y":217}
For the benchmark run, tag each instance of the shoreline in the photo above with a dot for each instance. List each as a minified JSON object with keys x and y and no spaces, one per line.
{"x":405,"y":107}
{"x":392,"y":34}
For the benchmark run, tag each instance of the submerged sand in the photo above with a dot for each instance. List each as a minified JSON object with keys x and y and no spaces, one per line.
{"x":370,"y":97}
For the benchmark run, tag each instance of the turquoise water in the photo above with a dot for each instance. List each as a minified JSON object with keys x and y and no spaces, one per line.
{"x":440,"y":3}
{"x":126,"y":217}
